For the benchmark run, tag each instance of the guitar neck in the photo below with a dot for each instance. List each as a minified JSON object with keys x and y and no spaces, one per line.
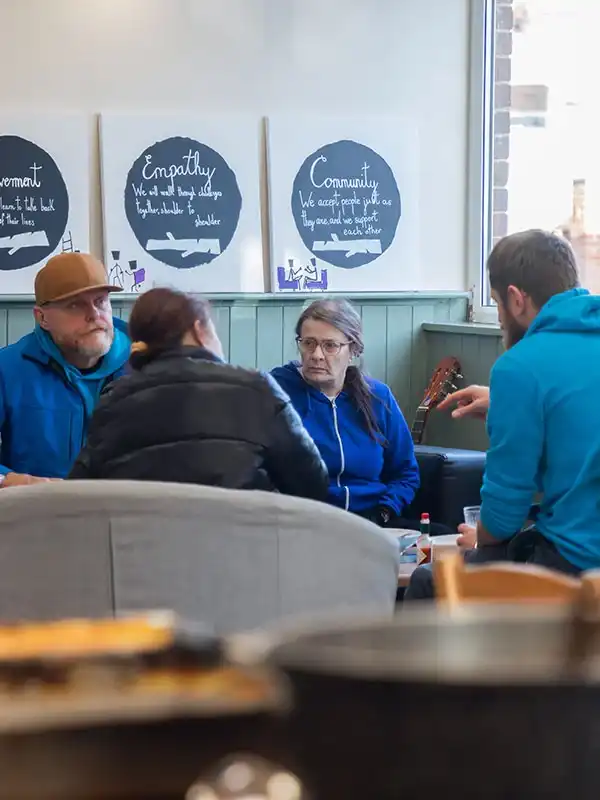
{"x":418,"y":427}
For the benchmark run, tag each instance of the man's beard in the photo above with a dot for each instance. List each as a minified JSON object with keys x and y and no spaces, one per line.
{"x":100,"y":348}
{"x":86,"y":348}
{"x":513,"y":332}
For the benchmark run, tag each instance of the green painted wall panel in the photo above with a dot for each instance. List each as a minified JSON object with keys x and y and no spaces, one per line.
{"x":242,"y":335}
{"x":269,"y":341}
{"x":374,"y":319}
{"x":3,"y":327}
{"x":419,"y":365}
{"x":222,"y":324}
{"x":399,"y":353}
{"x":19,"y":322}
{"x":288,"y":332}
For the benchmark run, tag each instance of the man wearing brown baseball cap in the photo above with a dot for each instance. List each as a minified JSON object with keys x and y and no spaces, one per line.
{"x":51,"y":379}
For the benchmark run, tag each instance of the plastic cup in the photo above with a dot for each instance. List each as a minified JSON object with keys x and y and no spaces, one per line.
{"x":472,"y":515}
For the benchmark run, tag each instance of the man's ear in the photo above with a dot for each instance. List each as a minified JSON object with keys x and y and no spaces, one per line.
{"x":38,"y":314}
{"x":516,"y":301}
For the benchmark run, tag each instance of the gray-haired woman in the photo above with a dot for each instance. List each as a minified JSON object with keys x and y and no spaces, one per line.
{"x":354,"y":420}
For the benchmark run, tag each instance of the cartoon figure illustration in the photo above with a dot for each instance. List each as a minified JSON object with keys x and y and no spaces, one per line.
{"x":131,"y":279}
{"x":138,"y":275}
{"x":117,"y":274}
{"x":315,"y":279}
{"x":289,"y":279}
{"x":304,"y":277}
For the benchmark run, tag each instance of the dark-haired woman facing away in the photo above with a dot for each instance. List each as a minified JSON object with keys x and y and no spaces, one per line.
{"x":354,"y":420}
{"x":183,"y":415}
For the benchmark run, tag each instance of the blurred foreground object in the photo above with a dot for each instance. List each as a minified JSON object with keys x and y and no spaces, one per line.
{"x":131,"y":708}
{"x":248,"y":778}
{"x":501,"y":582}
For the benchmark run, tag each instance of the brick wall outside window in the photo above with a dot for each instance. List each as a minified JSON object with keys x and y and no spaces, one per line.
{"x":501,"y":127}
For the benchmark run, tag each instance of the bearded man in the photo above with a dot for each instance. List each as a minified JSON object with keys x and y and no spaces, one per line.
{"x":51,"y":379}
{"x":543,"y":419}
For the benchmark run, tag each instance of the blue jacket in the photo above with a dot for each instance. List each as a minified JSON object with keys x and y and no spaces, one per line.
{"x":544,"y":430}
{"x":362,"y":473}
{"x":46,"y":403}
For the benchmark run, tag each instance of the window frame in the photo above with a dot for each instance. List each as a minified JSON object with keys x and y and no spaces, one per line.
{"x":480,"y":155}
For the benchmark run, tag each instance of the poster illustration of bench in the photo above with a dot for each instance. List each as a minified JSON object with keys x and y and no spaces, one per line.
{"x":181,"y":202}
{"x":44,"y":193}
{"x":344,"y":204}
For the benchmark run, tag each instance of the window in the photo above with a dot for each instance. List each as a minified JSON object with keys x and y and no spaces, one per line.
{"x":535,"y":130}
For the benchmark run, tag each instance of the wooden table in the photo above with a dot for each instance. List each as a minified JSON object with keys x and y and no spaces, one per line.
{"x":404,"y":573}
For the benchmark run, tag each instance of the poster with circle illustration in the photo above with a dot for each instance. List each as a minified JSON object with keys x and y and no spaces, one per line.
{"x":44,"y":194}
{"x":181,"y":198}
{"x":344,"y":204}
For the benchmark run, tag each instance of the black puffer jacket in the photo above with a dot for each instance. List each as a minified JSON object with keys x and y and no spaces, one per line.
{"x":187,"y":417}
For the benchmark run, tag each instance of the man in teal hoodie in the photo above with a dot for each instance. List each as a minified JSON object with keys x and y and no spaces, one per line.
{"x":544,"y":415}
{"x":51,"y":379}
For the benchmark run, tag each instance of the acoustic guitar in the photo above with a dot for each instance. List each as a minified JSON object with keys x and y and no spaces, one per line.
{"x":439,"y":387}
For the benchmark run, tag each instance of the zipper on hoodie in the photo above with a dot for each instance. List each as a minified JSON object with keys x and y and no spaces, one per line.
{"x":342,"y":456}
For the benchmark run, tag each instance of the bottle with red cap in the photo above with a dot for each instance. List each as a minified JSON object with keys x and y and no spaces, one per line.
{"x":424,"y":541}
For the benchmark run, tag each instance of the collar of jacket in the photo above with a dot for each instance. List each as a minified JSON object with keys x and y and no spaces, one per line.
{"x":196,"y":353}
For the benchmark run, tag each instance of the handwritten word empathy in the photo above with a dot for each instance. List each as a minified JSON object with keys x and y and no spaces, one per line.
{"x":190,"y":167}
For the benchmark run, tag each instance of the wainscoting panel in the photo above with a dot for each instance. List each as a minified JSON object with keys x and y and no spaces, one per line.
{"x":259,"y":331}
{"x":477,"y":354}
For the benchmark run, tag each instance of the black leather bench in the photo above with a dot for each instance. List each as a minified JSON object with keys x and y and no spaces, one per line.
{"x":450,"y":480}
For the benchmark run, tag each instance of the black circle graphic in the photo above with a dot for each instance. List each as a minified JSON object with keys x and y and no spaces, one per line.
{"x":34,"y":204}
{"x":346,"y":204}
{"x":183,"y":202}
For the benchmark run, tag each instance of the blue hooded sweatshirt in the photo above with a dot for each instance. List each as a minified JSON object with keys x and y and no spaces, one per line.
{"x":46,"y":403}
{"x":363,"y":474}
{"x":544,"y":430}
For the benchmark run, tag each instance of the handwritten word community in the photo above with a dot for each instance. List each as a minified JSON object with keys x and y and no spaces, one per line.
{"x":330,"y":182}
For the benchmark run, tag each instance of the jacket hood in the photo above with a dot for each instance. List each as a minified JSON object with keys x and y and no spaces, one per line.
{"x":112,"y":362}
{"x":302,"y":393}
{"x":290,"y":372}
{"x":574,"y":311}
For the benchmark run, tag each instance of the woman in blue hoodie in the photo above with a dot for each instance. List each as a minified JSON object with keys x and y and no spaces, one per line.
{"x":354,"y":420}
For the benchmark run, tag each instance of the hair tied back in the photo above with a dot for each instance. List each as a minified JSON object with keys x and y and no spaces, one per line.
{"x":139,"y":347}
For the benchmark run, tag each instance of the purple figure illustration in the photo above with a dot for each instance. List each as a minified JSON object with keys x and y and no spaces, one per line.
{"x":313,"y":280}
{"x":138,"y":274}
{"x":288,"y":280}
{"x":308,"y":278}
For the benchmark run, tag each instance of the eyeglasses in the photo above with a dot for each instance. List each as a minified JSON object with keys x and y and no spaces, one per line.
{"x":329,"y":346}
{"x":78,"y":305}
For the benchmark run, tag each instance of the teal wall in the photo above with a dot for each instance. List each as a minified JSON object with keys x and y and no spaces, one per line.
{"x":258,"y":331}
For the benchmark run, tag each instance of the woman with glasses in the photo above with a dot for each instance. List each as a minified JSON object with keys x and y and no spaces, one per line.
{"x":184,"y":415}
{"x":354,"y":420}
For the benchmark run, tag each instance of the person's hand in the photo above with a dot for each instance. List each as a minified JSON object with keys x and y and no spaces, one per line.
{"x":20,"y":479}
{"x":472,"y":401}
{"x":467,"y":537}
{"x":384,"y":515}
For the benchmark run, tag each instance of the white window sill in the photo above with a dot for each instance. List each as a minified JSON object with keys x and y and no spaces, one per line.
{"x":462,"y":328}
